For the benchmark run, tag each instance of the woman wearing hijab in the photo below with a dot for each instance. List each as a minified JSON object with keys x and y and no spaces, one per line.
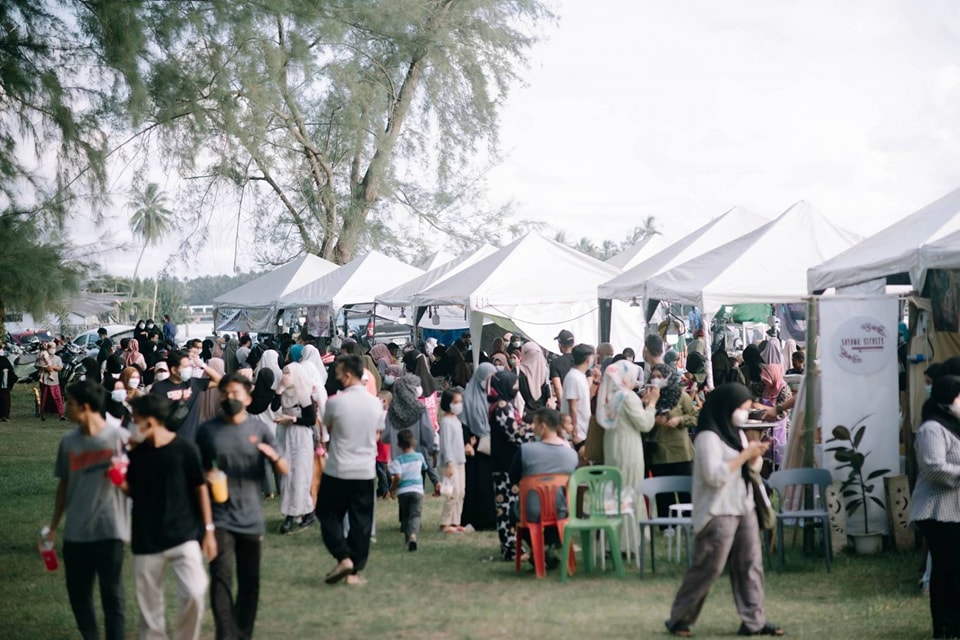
{"x":264,"y":405}
{"x":724,"y":369}
{"x":625,"y":416}
{"x":91,"y":370}
{"x":534,"y":386}
{"x":499,"y":360}
{"x":672,"y":453}
{"x":8,"y":378}
{"x":724,"y":516}
{"x":206,"y":350}
{"x":407,"y":412}
{"x":381,"y":356}
{"x":210,"y":401}
{"x":299,"y":415}
{"x":114,"y":367}
{"x":934,"y":506}
{"x":695,"y":376}
{"x":479,"y":506}
{"x":133,"y":358}
{"x":230,"y":362}
{"x":507,"y":433}
{"x":751,"y":369}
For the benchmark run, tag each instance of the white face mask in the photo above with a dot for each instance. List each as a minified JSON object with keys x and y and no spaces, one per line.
{"x":162,"y":375}
{"x":659,"y":383}
{"x":136,"y":434}
{"x":740,"y":417}
{"x":927,"y":389}
{"x":118,"y":395}
{"x":955,"y":407}
{"x":499,"y":367}
{"x":186,"y":373}
{"x":418,"y":391}
{"x":388,"y":380}
{"x":133,"y":383}
{"x":456,"y":408}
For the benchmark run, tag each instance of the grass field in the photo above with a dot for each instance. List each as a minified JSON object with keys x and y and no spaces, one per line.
{"x":452,"y":588}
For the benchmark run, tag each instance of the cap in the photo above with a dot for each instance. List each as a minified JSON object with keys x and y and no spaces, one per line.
{"x":564,"y":336}
{"x":671,"y":357}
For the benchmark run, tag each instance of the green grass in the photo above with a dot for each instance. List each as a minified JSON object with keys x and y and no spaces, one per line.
{"x":453,"y":587}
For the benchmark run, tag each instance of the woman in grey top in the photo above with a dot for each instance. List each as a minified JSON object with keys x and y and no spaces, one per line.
{"x":935,"y":505}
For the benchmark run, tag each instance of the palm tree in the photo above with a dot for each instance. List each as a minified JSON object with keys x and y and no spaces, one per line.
{"x":646,"y":230}
{"x":151,"y":218}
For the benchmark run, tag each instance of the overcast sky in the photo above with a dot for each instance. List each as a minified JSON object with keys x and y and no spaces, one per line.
{"x":683,"y":109}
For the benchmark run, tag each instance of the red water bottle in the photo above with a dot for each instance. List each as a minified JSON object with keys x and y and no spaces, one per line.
{"x":47,"y":552}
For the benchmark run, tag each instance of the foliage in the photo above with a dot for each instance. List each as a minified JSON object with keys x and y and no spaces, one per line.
{"x":855,"y":488}
{"x":323,"y":116}
{"x":151,"y":219}
{"x":609,"y":248}
{"x":203,"y":289}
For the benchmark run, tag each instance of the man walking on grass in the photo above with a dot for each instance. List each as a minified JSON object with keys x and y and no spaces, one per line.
{"x":96,"y":510}
{"x":237,"y":444}
{"x":353,"y":418}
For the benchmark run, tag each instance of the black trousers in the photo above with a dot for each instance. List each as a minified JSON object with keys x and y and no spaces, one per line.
{"x":671,"y":469}
{"x":353,"y":498}
{"x":82,"y":563}
{"x":235,"y":618}
{"x":944,"y":576}
{"x":5,"y":403}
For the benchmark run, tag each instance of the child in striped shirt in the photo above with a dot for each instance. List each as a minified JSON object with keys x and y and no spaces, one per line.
{"x":406,"y":472}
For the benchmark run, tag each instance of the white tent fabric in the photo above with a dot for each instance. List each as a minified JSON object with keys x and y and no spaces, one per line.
{"x":253,"y":306}
{"x":898,"y":249}
{"x":536,"y":286}
{"x":431,"y":261}
{"x":402,"y":296}
{"x":730,"y":225}
{"x":357,"y":282}
{"x":755,"y":268}
{"x":650,"y":245}
{"x":943,"y":254}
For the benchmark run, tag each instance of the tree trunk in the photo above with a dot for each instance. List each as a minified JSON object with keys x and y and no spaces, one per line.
{"x":137,"y":268}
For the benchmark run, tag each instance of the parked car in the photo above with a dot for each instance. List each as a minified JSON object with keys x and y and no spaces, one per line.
{"x":88,"y":339}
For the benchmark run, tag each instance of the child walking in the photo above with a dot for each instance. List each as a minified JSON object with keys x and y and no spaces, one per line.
{"x":406,"y":471}
{"x":453,"y":459}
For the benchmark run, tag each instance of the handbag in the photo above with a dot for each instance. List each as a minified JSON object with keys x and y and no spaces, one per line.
{"x":446,"y":487}
{"x":766,"y":515}
{"x":483,"y":445}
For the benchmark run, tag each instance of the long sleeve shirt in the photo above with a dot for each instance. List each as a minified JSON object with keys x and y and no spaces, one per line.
{"x":937,"y":494}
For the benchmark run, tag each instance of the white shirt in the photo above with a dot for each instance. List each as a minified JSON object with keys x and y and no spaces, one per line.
{"x":718,"y":491}
{"x":576,"y":387}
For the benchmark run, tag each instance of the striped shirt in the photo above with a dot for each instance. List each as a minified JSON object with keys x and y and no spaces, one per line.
{"x":410,"y":468}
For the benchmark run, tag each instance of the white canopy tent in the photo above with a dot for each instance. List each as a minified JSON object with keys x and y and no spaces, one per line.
{"x":253,"y":306}
{"x":634,"y":254}
{"x":756,"y":267}
{"x":901,"y":253}
{"x":357,"y":282}
{"x":535,"y":286}
{"x":726,"y":227}
{"x":449,"y":317}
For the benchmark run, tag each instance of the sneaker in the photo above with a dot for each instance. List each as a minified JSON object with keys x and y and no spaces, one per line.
{"x":287,"y":526}
{"x":308,"y":521}
{"x":412,"y":545}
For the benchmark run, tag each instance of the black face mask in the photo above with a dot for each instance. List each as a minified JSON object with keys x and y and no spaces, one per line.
{"x":231,"y":407}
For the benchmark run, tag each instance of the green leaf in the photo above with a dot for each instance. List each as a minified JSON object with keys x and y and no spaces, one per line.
{"x":877,"y":474}
{"x":878,"y":502}
{"x":853,"y":505}
{"x":850,"y":493}
{"x":843,"y":455}
{"x":840,"y":432}
{"x":858,"y":438}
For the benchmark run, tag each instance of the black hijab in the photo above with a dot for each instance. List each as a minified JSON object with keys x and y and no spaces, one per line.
{"x":945,"y":390}
{"x":950,"y":367}
{"x":717,"y":413}
{"x":405,"y":409}
{"x":416,"y":363}
{"x":753,"y":363}
{"x":206,"y":351}
{"x":502,"y":387}
{"x":262,"y":394}
{"x":91,"y":369}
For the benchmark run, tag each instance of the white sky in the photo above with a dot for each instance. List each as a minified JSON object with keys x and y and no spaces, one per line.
{"x":682,"y":109}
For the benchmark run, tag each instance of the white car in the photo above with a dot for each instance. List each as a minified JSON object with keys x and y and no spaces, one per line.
{"x":88,"y":339}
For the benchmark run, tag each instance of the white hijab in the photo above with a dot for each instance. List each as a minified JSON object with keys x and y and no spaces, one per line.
{"x":618,"y":380}
{"x":271,"y":360}
{"x":298,"y":392}
{"x":310,"y":360}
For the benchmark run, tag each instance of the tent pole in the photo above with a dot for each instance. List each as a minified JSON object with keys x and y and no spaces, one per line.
{"x":811,"y":416}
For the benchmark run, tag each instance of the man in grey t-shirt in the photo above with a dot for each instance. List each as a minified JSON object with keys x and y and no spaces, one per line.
{"x":98,"y":522}
{"x":237,"y":444}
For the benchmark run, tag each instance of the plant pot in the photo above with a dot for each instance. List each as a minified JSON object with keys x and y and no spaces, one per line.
{"x":867,"y":543}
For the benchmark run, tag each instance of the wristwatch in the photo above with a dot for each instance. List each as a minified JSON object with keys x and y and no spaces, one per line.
{"x":210,"y":527}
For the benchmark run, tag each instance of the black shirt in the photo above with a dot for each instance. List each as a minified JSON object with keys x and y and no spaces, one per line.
{"x":188,"y":392}
{"x":163,"y":484}
{"x":560,"y":366}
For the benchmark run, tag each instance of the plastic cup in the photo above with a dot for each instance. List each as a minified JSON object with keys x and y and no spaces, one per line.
{"x":118,"y":470}
{"x":218,"y":486}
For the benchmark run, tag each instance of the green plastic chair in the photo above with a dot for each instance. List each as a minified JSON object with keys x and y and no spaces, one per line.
{"x":596,"y":480}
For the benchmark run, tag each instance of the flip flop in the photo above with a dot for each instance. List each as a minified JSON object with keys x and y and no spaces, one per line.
{"x":338,"y":574}
{"x":678,"y":629}
{"x":767,"y":630}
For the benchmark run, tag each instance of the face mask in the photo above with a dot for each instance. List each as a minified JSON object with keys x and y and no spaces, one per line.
{"x":515,"y":343}
{"x":389,"y":380}
{"x":133,"y":383}
{"x":456,"y":408}
{"x":118,"y":395}
{"x":500,"y":367}
{"x":659,"y":383}
{"x":955,"y":408}
{"x":136,"y":434}
{"x":928,"y":388}
{"x":3,"y":352}
{"x":186,"y":373}
{"x":162,"y":375}
{"x":418,"y":391}
{"x":149,"y":325}
{"x":513,"y":363}
{"x":740,"y":417}
{"x":231,"y":407}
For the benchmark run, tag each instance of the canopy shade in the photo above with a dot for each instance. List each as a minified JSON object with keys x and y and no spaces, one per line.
{"x":633,"y":281}
{"x":357,"y":282}
{"x":640,"y":251}
{"x":899,"y":252}
{"x":756,"y":268}
{"x":403,"y":295}
{"x":270,"y":287}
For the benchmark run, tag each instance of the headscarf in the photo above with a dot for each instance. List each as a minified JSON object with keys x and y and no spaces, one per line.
{"x":670,"y":393}
{"x":533,"y":367}
{"x":752,"y":362}
{"x":230,"y":354}
{"x":773,"y":352}
{"x":503,"y":388}
{"x":299,"y":389}
{"x":206,"y":349}
{"x":218,"y":365}
{"x":416,"y":363}
{"x":380,"y":353}
{"x":262,"y":394}
{"x":773,"y":384}
{"x":499,"y":359}
{"x":613,"y":391}
{"x":133,"y":356}
{"x":722,"y":366}
{"x":311,"y":361}
{"x":296,"y":352}
{"x":697,"y":365}
{"x":475,"y":405}
{"x":270,"y":360}
{"x":789,"y":348}
{"x":91,"y":369}
{"x":717,"y":415}
{"x":945,"y":390}
{"x":405,"y":408}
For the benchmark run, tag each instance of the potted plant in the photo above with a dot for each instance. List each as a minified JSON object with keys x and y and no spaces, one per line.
{"x":857,"y":488}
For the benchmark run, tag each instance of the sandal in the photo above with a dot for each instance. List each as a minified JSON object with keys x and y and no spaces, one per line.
{"x":339,"y":572}
{"x":766,"y":630}
{"x":679,"y":629}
